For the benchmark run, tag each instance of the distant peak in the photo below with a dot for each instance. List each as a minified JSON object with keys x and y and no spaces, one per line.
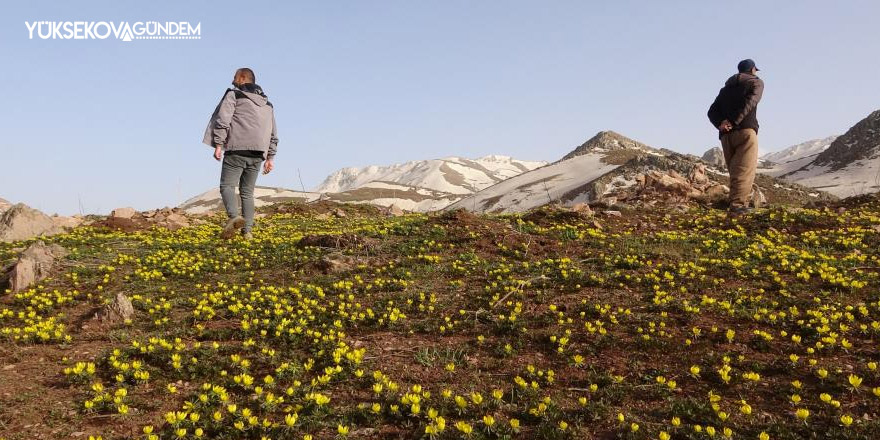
{"x":607,"y":140}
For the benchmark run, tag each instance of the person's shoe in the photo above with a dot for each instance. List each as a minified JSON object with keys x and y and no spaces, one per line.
{"x":232,"y":226}
{"x":247,"y":236}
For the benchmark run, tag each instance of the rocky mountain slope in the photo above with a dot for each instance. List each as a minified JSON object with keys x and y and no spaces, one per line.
{"x":562,"y":181}
{"x":613,"y":167}
{"x":796,"y":152}
{"x":785,"y":161}
{"x":844,"y":166}
{"x":849,"y":166}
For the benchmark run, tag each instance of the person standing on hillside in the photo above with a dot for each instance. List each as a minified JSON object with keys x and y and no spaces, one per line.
{"x":734,"y":114}
{"x":242,"y":132}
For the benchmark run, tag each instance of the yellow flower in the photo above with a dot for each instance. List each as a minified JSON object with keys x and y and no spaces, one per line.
{"x":855,"y":381}
{"x":802,"y":413}
{"x":464,"y":427}
{"x":763,"y":436}
{"x":342,"y":430}
{"x":846,"y":420}
{"x":291,"y":419}
{"x":514,"y":424}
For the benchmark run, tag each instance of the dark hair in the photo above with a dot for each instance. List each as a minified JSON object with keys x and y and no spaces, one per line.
{"x":246,"y":75}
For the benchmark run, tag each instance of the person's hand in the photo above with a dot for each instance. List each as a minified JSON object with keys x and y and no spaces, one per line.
{"x":268,"y":166}
{"x":218,"y":153}
{"x":725,"y":126}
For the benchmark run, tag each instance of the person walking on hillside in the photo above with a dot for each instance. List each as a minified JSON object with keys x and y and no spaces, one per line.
{"x":242,"y":132}
{"x":734,"y":114}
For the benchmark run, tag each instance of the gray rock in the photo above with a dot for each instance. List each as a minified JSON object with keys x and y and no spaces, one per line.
{"x":118,"y":310}
{"x":336,"y":262}
{"x":174,"y":221}
{"x":715,"y":157}
{"x":33,"y":265}
{"x":395,"y":211}
{"x":21,"y":222}
{"x":123,"y":212}
{"x":583,"y":209}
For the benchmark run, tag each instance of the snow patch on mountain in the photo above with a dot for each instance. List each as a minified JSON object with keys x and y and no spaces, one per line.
{"x":210,"y":200}
{"x":539,"y":187}
{"x":797,"y":152}
{"x":451,"y":175}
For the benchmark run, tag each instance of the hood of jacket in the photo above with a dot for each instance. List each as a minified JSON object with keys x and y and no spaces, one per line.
{"x":254,"y":93}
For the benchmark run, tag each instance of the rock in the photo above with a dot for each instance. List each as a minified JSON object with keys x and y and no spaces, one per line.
{"x":758,"y":197}
{"x":716,"y":193}
{"x":67,"y":222}
{"x":339,"y":213}
{"x":395,"y":211}
{"x":582,"y":209}
{"x":123,"y":212}
{"x":322,"y":216}
{"x":4,"y":205}
{"x":21,"y":222}
{"x":336,"y":262}
{"x":33,"y":265}
{"x":174,"y":221}
{"x":606,"y":201}
{"x":697,"y":176}
{"x":612,"y":213}
{"x":118,"y":310}
{"x":715,"y":157}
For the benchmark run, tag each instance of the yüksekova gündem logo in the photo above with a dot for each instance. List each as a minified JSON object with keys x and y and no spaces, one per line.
{"x":123,"y":30}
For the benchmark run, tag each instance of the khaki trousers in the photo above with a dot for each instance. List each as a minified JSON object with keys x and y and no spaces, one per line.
{"x":741,"y":155}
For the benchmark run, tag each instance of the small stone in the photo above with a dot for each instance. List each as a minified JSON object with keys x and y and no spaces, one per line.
{"x":118,"y":310}
{"x":336,"y":262}
{"x":395,"y":211}
{"x":582,"y":209}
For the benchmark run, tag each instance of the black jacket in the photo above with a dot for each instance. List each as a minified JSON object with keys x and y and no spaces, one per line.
{"x":737,"y":102}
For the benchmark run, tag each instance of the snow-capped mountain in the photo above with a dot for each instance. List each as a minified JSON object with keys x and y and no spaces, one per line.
{"x":610,"y":165}
{"x":849,"y":166}
{"x":565,"y":181}
{"x":792,"y":158}
{"x":425,"y":185}
{"x":799,"y":151}
{"x":452,"y":175}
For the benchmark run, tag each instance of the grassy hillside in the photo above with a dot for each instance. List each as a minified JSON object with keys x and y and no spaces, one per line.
{"x":547,"y":325}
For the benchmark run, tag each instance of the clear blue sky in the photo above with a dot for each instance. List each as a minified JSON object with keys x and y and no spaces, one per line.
{"x":116,"y":123}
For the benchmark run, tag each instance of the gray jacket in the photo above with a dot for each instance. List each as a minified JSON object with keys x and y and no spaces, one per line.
{"x":244,"y":120}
